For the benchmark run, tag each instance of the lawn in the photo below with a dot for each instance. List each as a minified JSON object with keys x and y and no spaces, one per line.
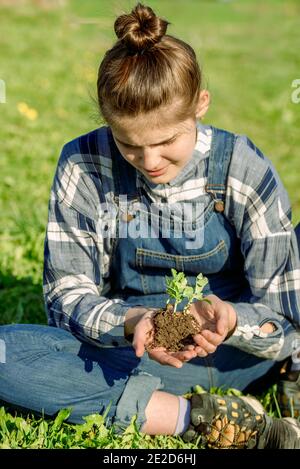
{"x":50,"y":53}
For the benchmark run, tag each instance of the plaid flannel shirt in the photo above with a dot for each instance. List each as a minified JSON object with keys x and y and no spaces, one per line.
{"x":77,"y":257}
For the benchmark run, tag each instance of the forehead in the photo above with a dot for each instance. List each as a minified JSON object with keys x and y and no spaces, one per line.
{"x":148,"y":129}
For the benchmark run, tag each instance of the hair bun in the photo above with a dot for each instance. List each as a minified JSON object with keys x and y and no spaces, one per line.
{"x":141,"y":29}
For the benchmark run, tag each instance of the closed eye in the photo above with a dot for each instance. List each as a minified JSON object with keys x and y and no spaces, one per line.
{"x":163,"y":144}
{"x":169,"y":143}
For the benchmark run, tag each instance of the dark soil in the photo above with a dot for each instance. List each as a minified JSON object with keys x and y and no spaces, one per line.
{"x":174,"y":330}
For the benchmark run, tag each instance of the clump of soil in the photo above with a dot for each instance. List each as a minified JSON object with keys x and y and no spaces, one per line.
{"x":173,"y":330}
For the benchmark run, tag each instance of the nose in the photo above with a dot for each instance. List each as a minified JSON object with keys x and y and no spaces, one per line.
{"x":150,"y":159}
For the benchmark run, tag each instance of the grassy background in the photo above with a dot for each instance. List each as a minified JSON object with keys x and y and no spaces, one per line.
{"x":50,"y":53}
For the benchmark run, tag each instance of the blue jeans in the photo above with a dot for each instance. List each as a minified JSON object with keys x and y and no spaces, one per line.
{"x":45,"y":369}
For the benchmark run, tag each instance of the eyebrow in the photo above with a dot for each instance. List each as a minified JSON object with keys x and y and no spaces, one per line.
{"x":153,"y":145}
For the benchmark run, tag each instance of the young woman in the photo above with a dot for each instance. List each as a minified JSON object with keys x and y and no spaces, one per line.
{"x":114,"y":192}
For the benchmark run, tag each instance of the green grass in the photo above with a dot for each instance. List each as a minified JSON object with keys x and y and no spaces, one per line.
{"x":49,"y":60}
{"x":19,"y":430}
{"x":25,"y":432}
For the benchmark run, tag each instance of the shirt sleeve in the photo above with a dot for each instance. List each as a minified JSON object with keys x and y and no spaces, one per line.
{"x":259,"y":208}
{"x":73,"y":255}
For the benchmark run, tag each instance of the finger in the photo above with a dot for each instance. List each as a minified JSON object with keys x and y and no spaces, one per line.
{"x":200,"y":352}
{"x":213,"y":338}
{"x":197,"y":339}
{"x":139,"y":341}
{"x":164,"y":358}
{"x":142,"y":336}
{"x":205,"y":345}
{"x":139,"y":348}
{"x":185,"y":355}
{"x":189,"y":347}
{"x":221,"y":325}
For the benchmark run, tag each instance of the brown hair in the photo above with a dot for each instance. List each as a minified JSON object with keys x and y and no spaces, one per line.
{"x":146,"y":69}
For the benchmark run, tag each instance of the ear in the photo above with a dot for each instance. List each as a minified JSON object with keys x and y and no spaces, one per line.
{"x":203,"y":104}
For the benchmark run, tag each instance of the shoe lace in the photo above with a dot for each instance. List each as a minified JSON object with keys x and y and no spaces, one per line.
{"x":221,"y":433}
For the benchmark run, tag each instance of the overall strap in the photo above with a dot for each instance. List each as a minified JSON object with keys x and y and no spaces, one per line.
{"x":124,"y":174}
{"x":124,"y":177}
{"x":222,"y":145}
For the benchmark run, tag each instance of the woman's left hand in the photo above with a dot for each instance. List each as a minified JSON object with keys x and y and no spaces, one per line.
{"x":217,"y":321}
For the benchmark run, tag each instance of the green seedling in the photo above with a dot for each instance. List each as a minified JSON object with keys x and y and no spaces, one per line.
{"x":178,"y":289}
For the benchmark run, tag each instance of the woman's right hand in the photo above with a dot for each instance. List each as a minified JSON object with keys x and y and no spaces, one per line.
{"x":143,"y":337}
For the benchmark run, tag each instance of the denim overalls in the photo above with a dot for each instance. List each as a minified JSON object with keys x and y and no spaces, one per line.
{"x":139,"y":265}
{"x":47,"y":368}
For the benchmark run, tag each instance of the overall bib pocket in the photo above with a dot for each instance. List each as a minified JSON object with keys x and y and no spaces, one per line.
{"x":153,"y":265}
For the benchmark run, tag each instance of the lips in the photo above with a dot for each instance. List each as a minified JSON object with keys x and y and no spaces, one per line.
{"x":157,"y":172}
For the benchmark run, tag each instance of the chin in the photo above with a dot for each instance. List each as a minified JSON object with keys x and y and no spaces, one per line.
{"x":159,"y":179}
